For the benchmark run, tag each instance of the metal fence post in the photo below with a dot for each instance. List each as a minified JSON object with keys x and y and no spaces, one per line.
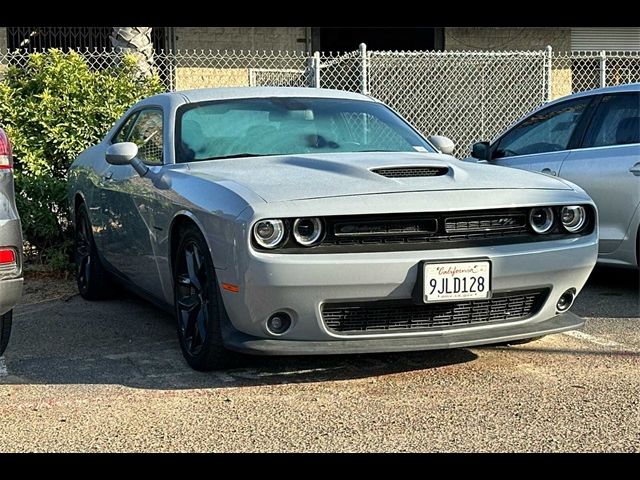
{"x":316,"y":69}
{"x":364,"y":88}
{"x":549,"y":68}
{"x":603,"y":68}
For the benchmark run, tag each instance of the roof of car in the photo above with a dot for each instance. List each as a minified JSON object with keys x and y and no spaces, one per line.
{"x":204,"y":94}
{"x":627,"y":87}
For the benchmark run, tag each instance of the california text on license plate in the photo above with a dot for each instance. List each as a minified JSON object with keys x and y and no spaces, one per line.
{"x":457,"y":281}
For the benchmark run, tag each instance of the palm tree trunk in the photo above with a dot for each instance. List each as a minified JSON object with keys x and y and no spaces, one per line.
{"x":135,"y":41}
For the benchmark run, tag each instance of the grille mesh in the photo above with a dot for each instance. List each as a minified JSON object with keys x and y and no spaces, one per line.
{"x":400,"y":172}
{"x":389,"y":316}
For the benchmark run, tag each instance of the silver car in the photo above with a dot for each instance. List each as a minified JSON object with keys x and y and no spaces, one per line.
{"x":592,"y":139}
{"x":309,"y":221}
{"x":10,"y":243}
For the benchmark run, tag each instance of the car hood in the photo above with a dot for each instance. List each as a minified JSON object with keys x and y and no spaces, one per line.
{"x":300,"y":177}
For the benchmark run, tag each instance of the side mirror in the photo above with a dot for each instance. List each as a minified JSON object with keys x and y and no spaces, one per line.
{"x":444,"y":144}
{"x":481,"y":151}
{"x":125,"y":154}
{"x":121,"y":153}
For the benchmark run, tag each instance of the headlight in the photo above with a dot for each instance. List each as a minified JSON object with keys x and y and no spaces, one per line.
{"x":268,"y":233}
{"x":573,"y":218}
{"x":307,"y":231}
{"x":541,"y":219}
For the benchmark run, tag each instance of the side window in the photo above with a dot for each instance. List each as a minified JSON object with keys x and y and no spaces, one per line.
{"x":548,"y":130}
{"x":123,"y":133}
{"x":615,"y":122}
{"x":147,"y":134}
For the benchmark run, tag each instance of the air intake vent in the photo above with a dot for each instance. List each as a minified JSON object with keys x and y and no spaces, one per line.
{"x":401,"y":172}
{"x":397,"y":315}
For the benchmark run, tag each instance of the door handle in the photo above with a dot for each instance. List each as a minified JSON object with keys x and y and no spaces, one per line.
{"x":548,"y":171}
{"x":635,"y":169}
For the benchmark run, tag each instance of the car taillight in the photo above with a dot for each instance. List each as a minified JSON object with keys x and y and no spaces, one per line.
{"x":8,"y":262}
{"x":6,"y":159}
{"x":7,"y":256}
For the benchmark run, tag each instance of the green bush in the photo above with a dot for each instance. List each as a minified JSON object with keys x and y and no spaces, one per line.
{"x":53,"y":107}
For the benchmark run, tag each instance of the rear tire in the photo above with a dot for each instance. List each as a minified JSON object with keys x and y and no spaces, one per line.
{"x":5,"y":330}
{"x":199,"y":309}
{"x":93,"y":280}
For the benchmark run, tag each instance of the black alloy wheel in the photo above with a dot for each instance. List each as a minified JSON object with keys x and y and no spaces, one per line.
{"x":193,"y":298}
{"x":93,"y":281}
{"x":198,"y":305}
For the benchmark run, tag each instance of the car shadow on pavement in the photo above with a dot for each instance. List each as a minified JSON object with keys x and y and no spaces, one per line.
{"x":610,"y":293}
{"x":131,"y":343}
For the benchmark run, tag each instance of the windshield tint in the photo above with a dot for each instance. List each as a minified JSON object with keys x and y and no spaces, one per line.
{"x":286,"y":125}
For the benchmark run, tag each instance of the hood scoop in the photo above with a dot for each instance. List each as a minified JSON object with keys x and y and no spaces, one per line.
{"x":416,"y":171}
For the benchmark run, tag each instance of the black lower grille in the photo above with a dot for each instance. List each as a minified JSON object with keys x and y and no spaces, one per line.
{"x":397,"y":315}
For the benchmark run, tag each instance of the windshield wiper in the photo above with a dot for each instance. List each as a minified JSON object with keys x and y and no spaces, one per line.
{"x":374,"y":150}
{"x":238,"y":155}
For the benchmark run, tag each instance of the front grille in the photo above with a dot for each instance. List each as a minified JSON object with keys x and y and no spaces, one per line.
{"x":401,"y":172}
{"x":401,"y":315}
{"x":484,"y":223}
{"x":419,"y":230}
{"x":375,"y":228}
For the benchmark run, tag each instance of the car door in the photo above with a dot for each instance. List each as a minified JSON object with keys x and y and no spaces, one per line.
{"x":541,"y":141}
{"x":130,"y":201}
{"x":607,"y":165}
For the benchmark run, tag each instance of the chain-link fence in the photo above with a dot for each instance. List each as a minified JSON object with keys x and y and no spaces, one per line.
{"x":573,"y":72}
{"x":467,"y":96}
{"x":462,"y":95}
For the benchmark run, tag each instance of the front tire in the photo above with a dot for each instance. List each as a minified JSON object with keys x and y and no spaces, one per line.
{"x":5,"y":330}
{"x":93,"y":281}
{"x":198,"y":305}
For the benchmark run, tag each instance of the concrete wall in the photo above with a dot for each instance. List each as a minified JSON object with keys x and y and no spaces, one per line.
{"x":507,"y":38}
{"x":187,"y":77}
{"x":241,"y":38}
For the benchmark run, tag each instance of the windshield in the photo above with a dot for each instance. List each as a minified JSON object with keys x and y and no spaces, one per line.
{"x":287,"y":125}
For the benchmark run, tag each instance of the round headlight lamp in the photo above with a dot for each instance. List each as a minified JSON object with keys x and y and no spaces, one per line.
{"x":573,"y":218}
{"x":307,"y":231}
{"x":269,"y":233}
{"x":541,"y":219}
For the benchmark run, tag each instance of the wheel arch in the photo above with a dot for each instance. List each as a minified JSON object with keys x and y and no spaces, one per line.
{"x":78,"y":199}
{"x":180,"y":220}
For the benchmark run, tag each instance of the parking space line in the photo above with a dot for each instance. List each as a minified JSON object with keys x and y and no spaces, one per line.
{"x":603,"y":342}
{"x":3,"y":368}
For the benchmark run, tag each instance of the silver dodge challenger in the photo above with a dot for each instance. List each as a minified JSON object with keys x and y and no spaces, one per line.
{"x":295,"y":221}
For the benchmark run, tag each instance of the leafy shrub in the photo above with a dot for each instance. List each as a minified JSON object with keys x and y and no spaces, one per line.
{"x":53,"y":106}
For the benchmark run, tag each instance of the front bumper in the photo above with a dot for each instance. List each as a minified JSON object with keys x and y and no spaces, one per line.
{"x":452,"y":339}
{"x":10,"y":293}
{"x":301,"y":284}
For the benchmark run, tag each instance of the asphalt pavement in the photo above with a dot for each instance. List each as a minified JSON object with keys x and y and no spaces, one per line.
{"x":109,"y":376}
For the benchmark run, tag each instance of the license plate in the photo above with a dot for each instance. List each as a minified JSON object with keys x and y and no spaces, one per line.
{"x":446,"y":282}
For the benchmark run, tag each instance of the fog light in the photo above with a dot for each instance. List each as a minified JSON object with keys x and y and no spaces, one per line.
{"x":566,"y":300}
{"x":278,"y":323}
